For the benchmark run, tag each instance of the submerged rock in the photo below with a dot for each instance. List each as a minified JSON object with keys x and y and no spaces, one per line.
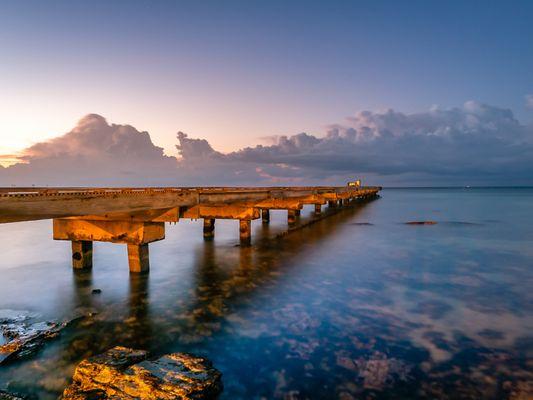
{"x":123,"y":373}
{"x":421,"y":223}
{"x":9,"y":396}
{"x":20,"y":338}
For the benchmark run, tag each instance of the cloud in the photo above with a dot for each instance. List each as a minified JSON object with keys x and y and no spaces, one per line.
{"x":472,"y":144}
{"x":93,"y":153}
{"x":475,"y":141}
{"x":529,"y":101}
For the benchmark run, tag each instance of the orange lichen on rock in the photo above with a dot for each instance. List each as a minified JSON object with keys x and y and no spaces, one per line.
{"x":123,"y":373}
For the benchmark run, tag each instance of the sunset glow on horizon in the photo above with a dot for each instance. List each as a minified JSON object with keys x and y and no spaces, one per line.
{"x":245,"y":74}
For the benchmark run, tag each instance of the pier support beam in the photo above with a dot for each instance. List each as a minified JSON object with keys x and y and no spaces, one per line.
{"x":265,"y":215}
{"x":138,"y":258}
{"x":332,"y":203}
{"x":291,"y":217}
{"x":245,"y":232}
{"x":318,"y":209}
{"x":82,"y":254}
{"x":136,"y":234}
{"x":341,"y":202}
{"x":209,"y":228}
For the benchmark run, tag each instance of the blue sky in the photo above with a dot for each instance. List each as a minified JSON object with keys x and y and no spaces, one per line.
{"x":233,"y":72}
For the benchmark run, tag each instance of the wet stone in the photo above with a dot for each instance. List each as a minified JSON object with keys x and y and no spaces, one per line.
{"x":10,"y":396}
{"x":123,"y":373}
{"x":21,"y":338}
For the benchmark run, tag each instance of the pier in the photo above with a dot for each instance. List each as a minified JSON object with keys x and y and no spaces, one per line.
{"x":136,"y":216}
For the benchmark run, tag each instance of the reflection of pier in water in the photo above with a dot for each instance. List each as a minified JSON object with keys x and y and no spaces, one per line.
{"x":227,"y":273}
{"x":136,"y":217}
{"x":222,"y":277}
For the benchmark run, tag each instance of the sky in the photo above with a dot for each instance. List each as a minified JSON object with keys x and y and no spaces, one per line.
{"x":245,"y":73}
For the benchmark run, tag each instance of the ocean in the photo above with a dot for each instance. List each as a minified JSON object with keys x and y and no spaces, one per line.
{"x":359,"y":305}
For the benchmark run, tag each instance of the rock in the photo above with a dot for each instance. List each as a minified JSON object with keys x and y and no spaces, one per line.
{"x":421,"y":223}
{"x":380,"y":371}
{"x":9,"y":396}
{"x":10,"y":316}
{"x":123,"y":373}
{"x":96,"y":291}
{"x":22,"y":338}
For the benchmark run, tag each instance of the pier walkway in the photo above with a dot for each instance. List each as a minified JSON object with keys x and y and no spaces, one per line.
{"x":137,"y":216}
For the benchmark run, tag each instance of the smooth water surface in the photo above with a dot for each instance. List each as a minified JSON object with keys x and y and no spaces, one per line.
{"x":357,"y":305}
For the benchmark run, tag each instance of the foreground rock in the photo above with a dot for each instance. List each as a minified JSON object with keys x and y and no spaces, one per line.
{"x":20,"y":337}
{"x":123,"y":373}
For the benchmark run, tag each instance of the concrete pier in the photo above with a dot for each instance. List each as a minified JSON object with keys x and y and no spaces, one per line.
{"x":136,"y":216}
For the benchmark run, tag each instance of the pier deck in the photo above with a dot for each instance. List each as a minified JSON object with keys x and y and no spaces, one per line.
{"x":137,"y":216}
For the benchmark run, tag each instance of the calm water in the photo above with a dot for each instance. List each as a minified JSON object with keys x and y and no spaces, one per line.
{"x":358,"y":305}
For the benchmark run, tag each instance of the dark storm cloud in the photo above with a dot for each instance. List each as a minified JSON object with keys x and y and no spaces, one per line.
{"x":474,"y":144}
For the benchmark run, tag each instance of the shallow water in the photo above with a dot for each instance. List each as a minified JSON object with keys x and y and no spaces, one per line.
{"x":357,"y":305}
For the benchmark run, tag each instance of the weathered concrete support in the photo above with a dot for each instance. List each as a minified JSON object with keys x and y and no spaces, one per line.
{"x":341,"y":202}
{"x":82,"y":254}
{"x":297,"y":212}
{"x":245,"y":232}
{"x":108,"y":231}
{"x":265,"y":215}
{"x":332,"y":203}
{"x":209,"y":228}
{"x":138,"y":258}
{"x":318,"y":209}
{"x":230,"y":211}
{"x":291,"y":217}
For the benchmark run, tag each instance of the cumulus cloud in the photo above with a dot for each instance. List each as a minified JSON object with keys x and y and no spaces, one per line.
{"x":471,"y":144}
{"x":93,"y":153}
{"x":475,"y":141}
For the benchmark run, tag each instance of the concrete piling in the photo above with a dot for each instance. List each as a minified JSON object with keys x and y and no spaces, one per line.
{"x":82,"y":254}
{"x":245,"y":232}
{"x":291,"y":217}
{"x":265,"y":215}
{"x":138,"y":258}
{"x":318,"y":209}
{"x":209,"y":228}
